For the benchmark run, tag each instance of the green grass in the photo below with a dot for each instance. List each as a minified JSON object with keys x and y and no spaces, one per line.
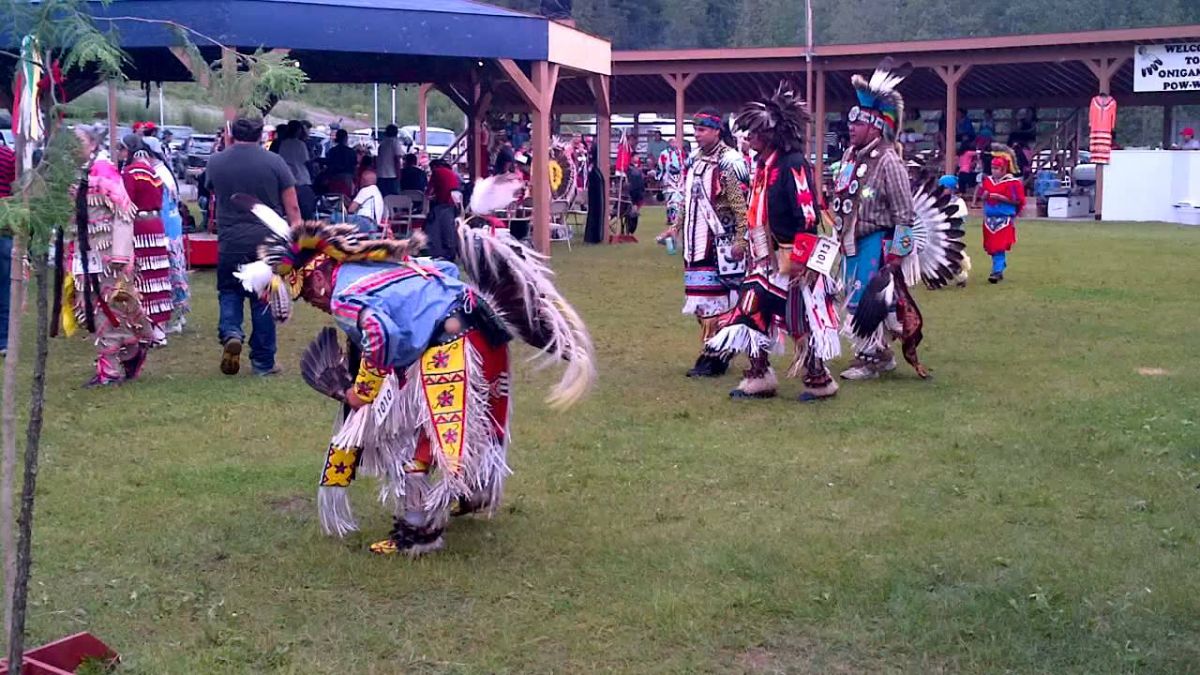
{"x":1032,"y":509}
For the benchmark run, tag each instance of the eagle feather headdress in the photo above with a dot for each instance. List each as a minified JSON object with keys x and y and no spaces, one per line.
{"x":880,"y":94}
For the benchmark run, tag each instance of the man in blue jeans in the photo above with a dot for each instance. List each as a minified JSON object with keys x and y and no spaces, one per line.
{"x":244,"y":167}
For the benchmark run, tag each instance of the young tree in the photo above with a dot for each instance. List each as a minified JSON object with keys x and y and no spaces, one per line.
{"x":62,"y":32}
{"x":59,"y":32}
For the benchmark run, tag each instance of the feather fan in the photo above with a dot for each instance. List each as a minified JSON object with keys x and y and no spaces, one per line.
{"x":324,"y":367}
{"x":937,"y":237}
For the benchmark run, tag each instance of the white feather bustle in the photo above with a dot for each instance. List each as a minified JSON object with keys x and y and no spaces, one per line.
{"x":495,"y":193}
{"x":570,"y":341}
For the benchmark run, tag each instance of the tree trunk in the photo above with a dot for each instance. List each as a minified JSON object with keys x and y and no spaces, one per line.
{"x":8,"y":419}
{"x":37,"y":400}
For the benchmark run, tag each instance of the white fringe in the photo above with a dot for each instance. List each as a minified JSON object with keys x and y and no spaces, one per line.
{"x":333,"y":509}
{"x":706,"y":306}
{"x":822,"y":321}
{"x":741,"y":339}
{"x":910,"y":266}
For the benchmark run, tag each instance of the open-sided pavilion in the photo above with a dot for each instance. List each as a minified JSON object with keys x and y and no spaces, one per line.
{"x":468,"y":50}
{"x":1048,"y":70}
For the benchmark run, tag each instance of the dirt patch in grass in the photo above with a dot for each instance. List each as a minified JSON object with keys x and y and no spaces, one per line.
{"x":1153,"y":372}
{"x":803,"y":656}
{"x":291,"y":506}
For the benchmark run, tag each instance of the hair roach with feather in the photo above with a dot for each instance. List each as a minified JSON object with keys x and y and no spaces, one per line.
{"x":780,"y":119}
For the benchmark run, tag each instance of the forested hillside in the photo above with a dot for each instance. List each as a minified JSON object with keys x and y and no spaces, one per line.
{"x":661,"y":24}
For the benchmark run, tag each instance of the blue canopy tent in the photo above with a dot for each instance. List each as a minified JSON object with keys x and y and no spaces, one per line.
{"x":471,"y":51}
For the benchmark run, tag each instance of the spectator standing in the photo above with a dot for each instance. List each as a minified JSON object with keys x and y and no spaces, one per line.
{"x":387,"y":164}
{"x":965,"y":134}
{"x":246,"y":168}
{"x":282,"y":133}
{"x":294,"y":151}
{"x":439,"y":225}
{"x":635,"y":183}
{"x":654,"y":149}
{"x":340,"y":164}
{"x":8,"y":175}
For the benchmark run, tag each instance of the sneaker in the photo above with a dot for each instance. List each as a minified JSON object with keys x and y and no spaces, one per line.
{"x":860,"y":373}
{"x":273,"y":370}
{"x":231,"y":357}
{"x":996,"y":278}
{"x":97,"y":382}
{"x":413,"y":550}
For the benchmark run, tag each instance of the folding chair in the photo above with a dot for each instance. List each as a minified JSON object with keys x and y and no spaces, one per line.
{"x":399,"y":209}
{"x":559,"y":229}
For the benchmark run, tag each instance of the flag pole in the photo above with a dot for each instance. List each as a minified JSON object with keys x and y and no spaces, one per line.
{"x":808,"y":76}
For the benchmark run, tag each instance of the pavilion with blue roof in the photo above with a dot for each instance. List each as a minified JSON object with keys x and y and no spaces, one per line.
{"x":471,"y":51}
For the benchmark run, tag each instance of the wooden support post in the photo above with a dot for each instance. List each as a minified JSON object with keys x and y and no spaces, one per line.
{"x":600,"y":91}
{"x":818,"y":141}
{"x":1103,"y":69}
{"x":538,"y":92}
{"x":112,"y":121}
{"x":1168,"y":122}
{"x":680,"y":82}
{"x":423,"y":113}
{"x":951,"y":75}
{"x":477,"y":152}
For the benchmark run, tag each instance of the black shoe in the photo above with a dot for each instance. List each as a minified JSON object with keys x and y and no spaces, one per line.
{"x":720,"y":364}
{"x":995,"y":278}
{"x":133,"y":367}
{"x":703,"y":367}
{"x":739,"y":395}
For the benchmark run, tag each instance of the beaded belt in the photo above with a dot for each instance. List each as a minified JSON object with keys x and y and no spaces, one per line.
{"x":146,"y":214}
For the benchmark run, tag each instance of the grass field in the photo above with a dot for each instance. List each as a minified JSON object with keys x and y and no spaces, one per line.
{"x":1032,"y":509}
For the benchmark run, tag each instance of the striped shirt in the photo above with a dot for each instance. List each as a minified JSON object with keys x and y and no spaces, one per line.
{"x":8,"y":171}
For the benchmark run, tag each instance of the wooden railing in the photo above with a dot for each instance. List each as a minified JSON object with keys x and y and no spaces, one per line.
{"x":1060,"y":151}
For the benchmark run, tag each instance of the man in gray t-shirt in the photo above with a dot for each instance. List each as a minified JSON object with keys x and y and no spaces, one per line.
{"x":245,"y":168}
{"x":387,"y":164}
{"x":294,"y":151}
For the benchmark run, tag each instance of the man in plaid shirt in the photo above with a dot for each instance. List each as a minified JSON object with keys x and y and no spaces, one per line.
{"x":872,"y":198}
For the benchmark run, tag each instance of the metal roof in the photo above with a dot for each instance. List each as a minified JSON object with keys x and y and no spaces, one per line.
{"x":1017,"y":70}
{"x":342,"y":41}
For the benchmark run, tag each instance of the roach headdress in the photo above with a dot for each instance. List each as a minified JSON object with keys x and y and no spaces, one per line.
{"x":879,"y":102}
{"x":779,"y":119}
{"x":288,"y":251}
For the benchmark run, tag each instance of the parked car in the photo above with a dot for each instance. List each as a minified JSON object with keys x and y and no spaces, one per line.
{"x":179,"y":135}
{"x":439,"y":139}
{"x":198,"y":150}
